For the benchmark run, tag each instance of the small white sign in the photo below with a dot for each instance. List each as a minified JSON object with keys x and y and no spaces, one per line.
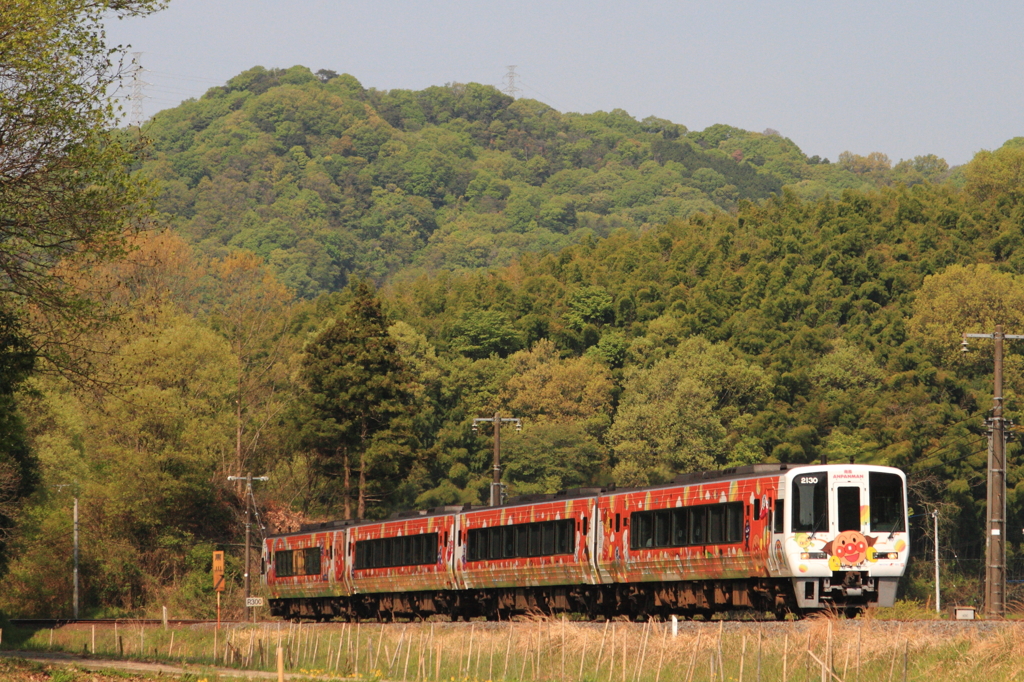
{"x":253,"y":601}
{"x":995,"y":531}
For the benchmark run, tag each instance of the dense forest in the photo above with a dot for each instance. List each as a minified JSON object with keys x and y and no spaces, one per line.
{"x":337,"y":280}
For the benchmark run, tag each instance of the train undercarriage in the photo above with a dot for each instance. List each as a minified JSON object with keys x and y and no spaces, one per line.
{"x":636,"y":601}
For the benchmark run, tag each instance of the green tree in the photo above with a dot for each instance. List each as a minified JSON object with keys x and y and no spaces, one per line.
{"x":357,"y":401}
{"x":66,"y":191}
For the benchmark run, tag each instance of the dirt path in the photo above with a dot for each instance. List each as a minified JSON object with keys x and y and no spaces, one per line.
{"x":97,"y":664}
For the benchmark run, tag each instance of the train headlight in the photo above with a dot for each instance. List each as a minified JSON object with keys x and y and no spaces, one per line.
{"x":805,"y":556}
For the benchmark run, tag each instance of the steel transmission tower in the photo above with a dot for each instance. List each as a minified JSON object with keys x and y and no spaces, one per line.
{"x":137,"y":90}
{"x":509,"y":80}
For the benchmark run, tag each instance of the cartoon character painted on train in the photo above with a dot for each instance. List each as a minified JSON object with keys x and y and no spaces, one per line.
{"x":850,"y":549}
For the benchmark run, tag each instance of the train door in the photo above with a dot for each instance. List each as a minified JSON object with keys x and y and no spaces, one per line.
{"x":848,"y":497}
{"x":589,"y":536}
{"x":457,"y":552}
{"x":777,"y":532}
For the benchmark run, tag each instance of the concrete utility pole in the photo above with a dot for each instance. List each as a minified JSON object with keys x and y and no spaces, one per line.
{"x":248,"y":478}
{"x":995,"y":541}
{"x":938,"y":598}
{"x":497,"y":420}
{"x":75,"y":599}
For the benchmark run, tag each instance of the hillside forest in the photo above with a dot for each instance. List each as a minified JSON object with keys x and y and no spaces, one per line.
{"x":336,"y":280}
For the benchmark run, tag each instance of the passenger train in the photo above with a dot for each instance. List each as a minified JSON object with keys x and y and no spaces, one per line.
{"x":774,"y":538}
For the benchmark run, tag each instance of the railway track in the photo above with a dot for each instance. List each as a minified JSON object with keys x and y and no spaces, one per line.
{"x":780,"y":626}
{"x":110,"y":622}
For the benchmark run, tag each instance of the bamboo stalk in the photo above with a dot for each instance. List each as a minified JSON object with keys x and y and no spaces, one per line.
{"x":661,"y":658}
{"x":600,"y":652}
{"x":508,"y":651}
{"x":408,"y":653}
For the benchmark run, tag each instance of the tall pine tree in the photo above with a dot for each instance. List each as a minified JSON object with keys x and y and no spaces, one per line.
{"x":357,"y":403}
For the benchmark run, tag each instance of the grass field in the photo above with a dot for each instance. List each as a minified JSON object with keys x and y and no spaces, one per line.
{"x":862,"y":650}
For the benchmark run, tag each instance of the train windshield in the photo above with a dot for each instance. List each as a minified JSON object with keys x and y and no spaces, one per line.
{"x":886,"y":500}
{"x":810,"y":502}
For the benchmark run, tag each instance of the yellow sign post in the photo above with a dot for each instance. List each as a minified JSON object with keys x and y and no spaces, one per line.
{"x":218,"y":579}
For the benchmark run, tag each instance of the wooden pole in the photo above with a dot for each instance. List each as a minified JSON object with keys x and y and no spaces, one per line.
{"x":785,"y":654}
{"x":743,"y":656}
{"x":693,"y":659}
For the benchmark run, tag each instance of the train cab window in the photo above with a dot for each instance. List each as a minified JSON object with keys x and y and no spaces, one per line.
{"x":780,"y":516}
{"x":586,"y":525}
{"x":809,"y":502}
{"x":885,"y":497}
{"x":848,"y":508}
{"x":757,"y":510}
{"x":617,"y":519}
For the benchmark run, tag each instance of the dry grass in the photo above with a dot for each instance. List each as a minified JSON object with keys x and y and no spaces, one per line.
{"x":862,"y":650}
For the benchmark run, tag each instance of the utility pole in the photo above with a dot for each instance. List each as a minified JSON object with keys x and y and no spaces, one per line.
{"x":995,"y":540}
{"x":248,"y":478}
{"x":497,"y":420}
{"x":75,"y":598}
{"x":938,"y":603}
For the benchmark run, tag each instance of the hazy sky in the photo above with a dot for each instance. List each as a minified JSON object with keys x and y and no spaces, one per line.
{"x":903,"y":78}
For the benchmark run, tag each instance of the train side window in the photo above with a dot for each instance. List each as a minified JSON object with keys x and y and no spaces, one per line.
{"x":662,"y":528}
{"x":586,"y":526}
{"x":549,"y":538}
{"x":523,"y":540}
{"x":508,"y":542}
{"x":716,"y":524}
{"x":757,"y":510}
{"x":779,"y":515}
{"x":734,"y":522}
{"x":678,"y":527}
{"x":535,"y":539}
{"x":494,"y":535}
{"x":697,"y":522}
{"x":643,"y":531}
{"x":617,"y":527}
{"x":446,"y":538}
{"x":312,"y":562}
{"x":570,"y":546}
{"x":562,"y":532}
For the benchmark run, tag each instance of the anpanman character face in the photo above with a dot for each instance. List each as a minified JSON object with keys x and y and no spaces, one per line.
{"x":850,"y":547}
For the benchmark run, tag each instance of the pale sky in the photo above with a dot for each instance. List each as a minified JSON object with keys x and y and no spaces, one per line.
{"x":902,"y":78}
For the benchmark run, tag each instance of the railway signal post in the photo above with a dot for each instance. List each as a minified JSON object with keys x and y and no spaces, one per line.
{"x":248,"y":478}
{"x":995,"y":540}
{"x":497,"y":420}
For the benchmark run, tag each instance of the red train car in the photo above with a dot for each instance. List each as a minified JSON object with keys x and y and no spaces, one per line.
{"x":772,"y":537}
